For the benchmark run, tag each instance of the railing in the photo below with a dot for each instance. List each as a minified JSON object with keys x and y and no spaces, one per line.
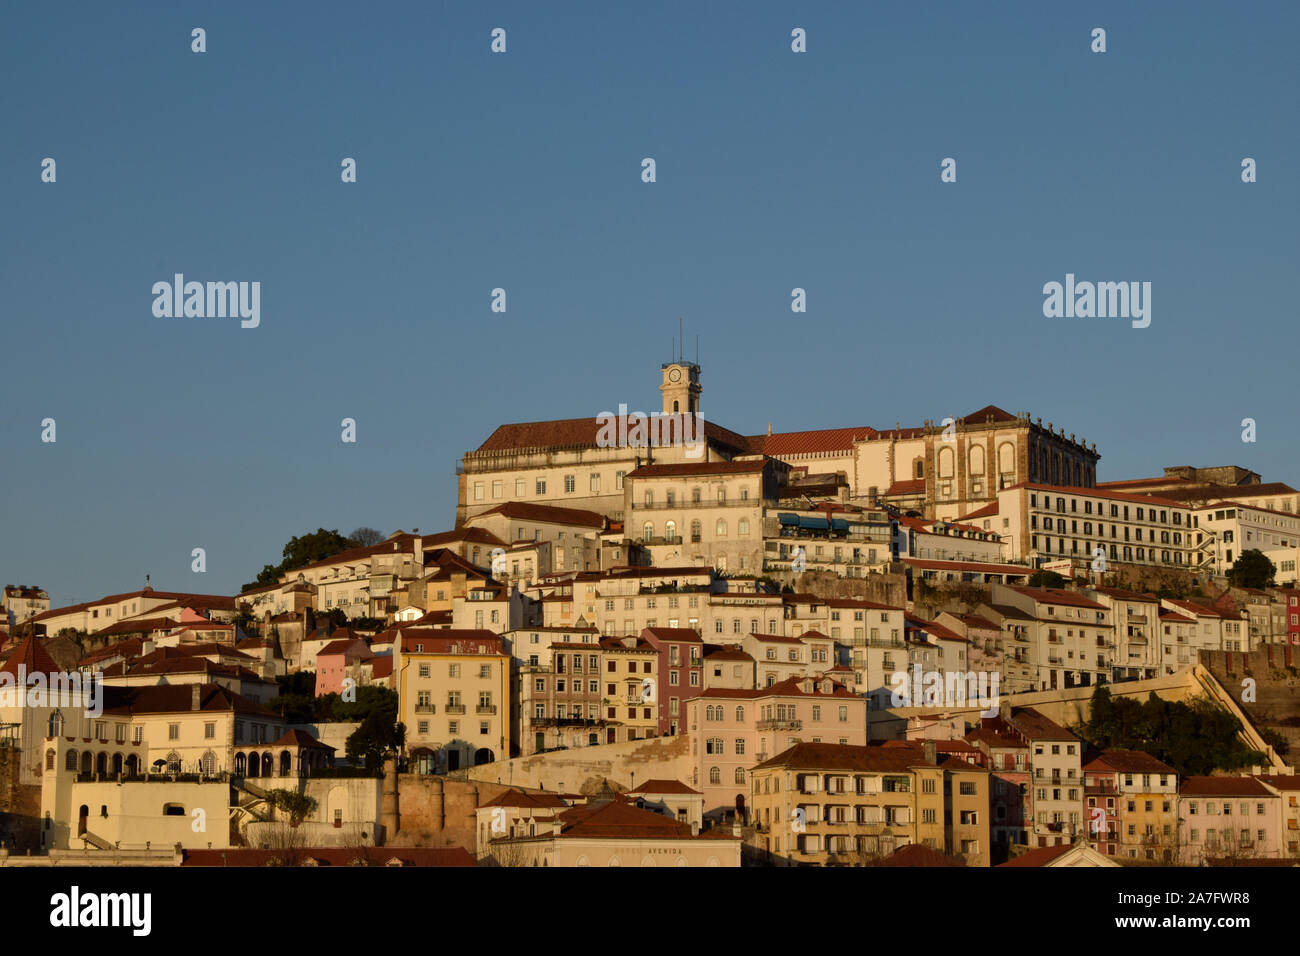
{"x":455,"y":708}
{"x":780,"y":724}
{"x":485,"y":709}
{"x":426,"y":709}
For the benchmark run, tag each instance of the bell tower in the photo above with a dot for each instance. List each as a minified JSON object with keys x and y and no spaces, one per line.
{"x":681,"y":388}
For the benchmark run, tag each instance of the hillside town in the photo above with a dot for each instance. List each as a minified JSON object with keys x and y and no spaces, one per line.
{"x":944,"y":644}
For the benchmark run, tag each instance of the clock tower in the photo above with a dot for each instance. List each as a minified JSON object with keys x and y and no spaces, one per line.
{"x":681,"y":388}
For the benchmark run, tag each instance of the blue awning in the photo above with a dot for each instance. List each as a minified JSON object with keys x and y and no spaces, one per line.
{"x":839,"y":524}
{"x":788,"y":519}
{"x":814,"y":524}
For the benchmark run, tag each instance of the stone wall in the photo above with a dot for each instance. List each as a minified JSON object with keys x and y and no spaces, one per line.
{"x":440,"y":811}
{"x":585,"y":769}
{"x":20,"y":805}
{"x":1275,"y":669}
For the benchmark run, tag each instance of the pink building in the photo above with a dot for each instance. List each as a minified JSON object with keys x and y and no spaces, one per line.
{"x":338,"y":660}
{"x":1228,"y":818}
{"x":681,"y":669}
{"x":734,"y":730}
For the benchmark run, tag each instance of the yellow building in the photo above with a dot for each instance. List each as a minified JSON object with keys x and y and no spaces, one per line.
{"x":1132,"y":805}
{"x":453,"y":690}
{"x":630,"y":683}
{"x":830,"y":804}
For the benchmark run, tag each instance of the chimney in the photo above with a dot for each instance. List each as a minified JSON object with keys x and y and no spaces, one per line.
{"x":195,"y":692}
{"x":931,"y":751}
{"x":769,"y":429}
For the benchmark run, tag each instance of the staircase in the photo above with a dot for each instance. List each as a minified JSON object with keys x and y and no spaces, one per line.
{"x":98,"y":843}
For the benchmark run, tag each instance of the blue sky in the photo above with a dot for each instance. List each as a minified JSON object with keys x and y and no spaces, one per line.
{"x":522,"y":171}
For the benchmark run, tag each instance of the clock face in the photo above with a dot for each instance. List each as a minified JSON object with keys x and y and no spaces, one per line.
{"x":674,"y":374}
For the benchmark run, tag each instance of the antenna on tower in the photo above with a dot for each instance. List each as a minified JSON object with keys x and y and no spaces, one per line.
{"x":697,"y":349}
{"x":680,"y":340}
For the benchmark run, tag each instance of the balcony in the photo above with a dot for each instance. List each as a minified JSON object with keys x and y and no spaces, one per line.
{"x":485,"y":709}
{"x":780,"y":724}
{"x":426,"y":708}
{"x":455,"y":708}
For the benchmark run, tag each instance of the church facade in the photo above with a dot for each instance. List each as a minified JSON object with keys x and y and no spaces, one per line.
{"x":939,"y":470}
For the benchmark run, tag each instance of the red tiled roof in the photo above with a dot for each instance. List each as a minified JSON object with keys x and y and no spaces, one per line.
{"x":1128,"y":761}
{"x":299,"y":738}
{"x":333,"y":856}
{"x":790,"y":687}
{"x":819,"y":442}
{"x":1223,"y":787}
{"x":822,"y":756}
{"x":583,"y":433}
{"x":680,"y":635}
{"x":177,"y":698}
{"x":515,"y":797}
{"x":1059,"y":597}
{"x":1035,"y":726}
{"x":911,"y":486}
{"x":440,"y":641}
{"x":194,"y":600}
{"x":526,"y":511}
{"x":917,"y":854}
{"x":662,"y":785}
{"x":34,"y":658}
{"x":1040,"y":857}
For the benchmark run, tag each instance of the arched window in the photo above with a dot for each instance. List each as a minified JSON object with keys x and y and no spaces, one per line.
{"x":648,"y":531}
{"x":174,"y":762}
{"x":740,"y":775}
{"x":740,"y":715}
{"x":670,"y":531}
{"x":696,"y":529}
{"x":56,"y":724}
{"x":721,"y":529}
{"x":70,"y":762}
{"x":50,"y":758}
{"x":715,"y":775}
{"x":208,"y":763}
{"x":742,"y":527}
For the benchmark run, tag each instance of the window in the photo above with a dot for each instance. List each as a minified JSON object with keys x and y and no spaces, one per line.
{"x":570,"y":484}
{"x":595,"y":482}
{"x":541,"y":486}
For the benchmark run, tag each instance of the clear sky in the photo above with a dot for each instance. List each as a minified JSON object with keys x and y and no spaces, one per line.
{"x":522,"y":170}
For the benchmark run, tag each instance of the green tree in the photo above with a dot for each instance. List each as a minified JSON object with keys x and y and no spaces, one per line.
{"x":1046,"y":579}
{"x":375,"y":737}
{"x":300,"y":552}
{"x":1195,"y":739}
{"x":365,"y":537}
{"x":1252,"y":569}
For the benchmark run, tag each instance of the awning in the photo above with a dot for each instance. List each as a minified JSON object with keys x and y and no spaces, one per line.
{"x":787,"y":519}
{"x":839,"y":524}
{"x":814,"y":524}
